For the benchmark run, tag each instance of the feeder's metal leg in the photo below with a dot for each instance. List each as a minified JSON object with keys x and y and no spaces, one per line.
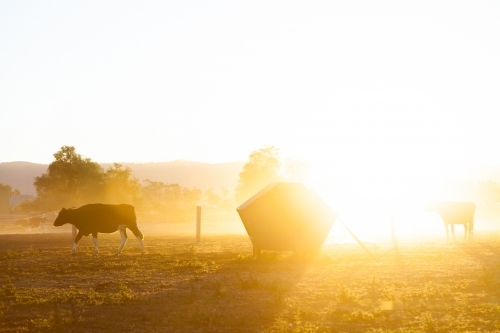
{"x":256,"y":251}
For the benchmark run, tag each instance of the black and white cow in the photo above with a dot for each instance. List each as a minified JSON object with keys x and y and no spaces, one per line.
{"x":452,"y":213}
{"x":95,"y":218}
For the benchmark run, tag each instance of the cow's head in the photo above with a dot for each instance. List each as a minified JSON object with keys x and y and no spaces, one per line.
{"x":62,"y":218}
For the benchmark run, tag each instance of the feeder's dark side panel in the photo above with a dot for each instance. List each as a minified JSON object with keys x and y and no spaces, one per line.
{"x":288,"y":217}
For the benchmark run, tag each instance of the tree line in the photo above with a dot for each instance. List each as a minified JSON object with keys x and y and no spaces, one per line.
{"x":10,"y":189}
{"x":72,"y":181}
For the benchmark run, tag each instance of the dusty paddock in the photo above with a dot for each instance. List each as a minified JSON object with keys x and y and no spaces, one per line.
{"x":216,"y":286}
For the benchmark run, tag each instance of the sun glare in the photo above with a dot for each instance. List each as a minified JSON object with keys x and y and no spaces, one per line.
{"x":373,"y":197}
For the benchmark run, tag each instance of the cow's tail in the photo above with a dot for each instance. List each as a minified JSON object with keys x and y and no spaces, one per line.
{"x":136,"y":231}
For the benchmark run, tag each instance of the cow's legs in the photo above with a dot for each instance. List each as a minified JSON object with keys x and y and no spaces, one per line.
{"x":123,"y":234}
{"x":138,"y":234}
{"x":452,"y":230}
{"x":139,"y":239}
{"x":96,"y":242}
{"x":466,"y":228}
{"x":77,"y":238}
{"x":447,"y":234}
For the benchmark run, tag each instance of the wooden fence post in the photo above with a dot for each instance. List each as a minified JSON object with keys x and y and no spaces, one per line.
{"x":198,"y":223}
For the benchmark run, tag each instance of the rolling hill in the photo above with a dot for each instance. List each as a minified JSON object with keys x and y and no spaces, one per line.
{"x":21,"y":175}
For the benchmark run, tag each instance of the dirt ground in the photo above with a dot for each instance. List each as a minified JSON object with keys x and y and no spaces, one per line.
{"x":217,"y":286}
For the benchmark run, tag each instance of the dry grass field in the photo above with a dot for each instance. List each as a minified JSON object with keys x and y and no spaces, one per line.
{"x":216,"y":286}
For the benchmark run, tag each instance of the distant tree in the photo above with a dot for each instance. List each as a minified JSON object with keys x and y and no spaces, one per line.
{"x":173,"y":195}
{"x":153,"y":195}
{"x":212,"y":198}
{"x":169,"y":201}
{"x":70,"y":180}
{"x":190,"y":197}
{"x":27,"y":206}
{"x":11,"y":191}
{"x":221,"y":201}
{"x":153,"y":192}
{"x":227,"y":199}
{"x":160,"y":196}
{"x":262,"y":168}
{"x":120,"y":186}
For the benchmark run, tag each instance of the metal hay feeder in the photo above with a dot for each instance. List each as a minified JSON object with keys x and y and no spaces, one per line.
{"x":286,"y":217}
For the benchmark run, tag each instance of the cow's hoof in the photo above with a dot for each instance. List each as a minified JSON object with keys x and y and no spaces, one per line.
{"x":117,"y":253}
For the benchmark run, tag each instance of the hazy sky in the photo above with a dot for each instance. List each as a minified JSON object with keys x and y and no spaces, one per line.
{"x":358,"y":86}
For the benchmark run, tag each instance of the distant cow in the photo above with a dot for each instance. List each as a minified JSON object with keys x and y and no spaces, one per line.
{"x":95,"y":218}
{"x":32,"y":223}
{"x":455,"y":213}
